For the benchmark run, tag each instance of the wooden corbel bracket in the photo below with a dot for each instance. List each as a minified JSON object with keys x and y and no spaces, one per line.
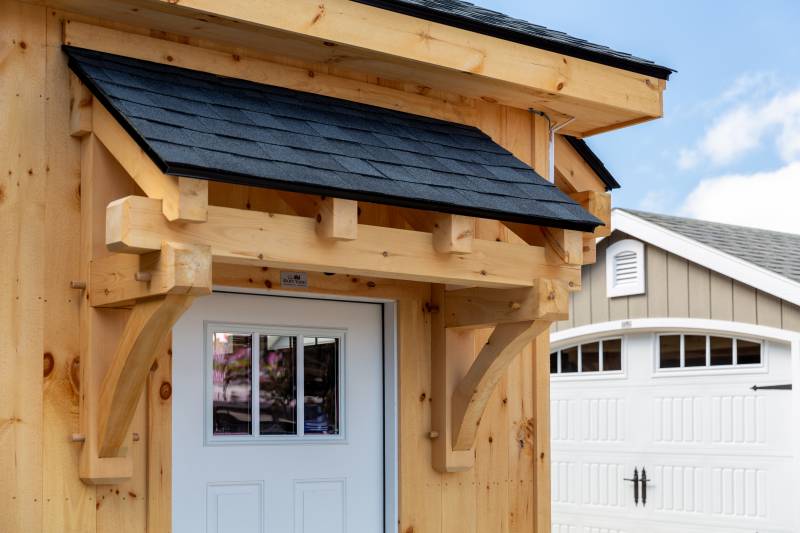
{"x":177,"y":275}
{"x":462,"y":384}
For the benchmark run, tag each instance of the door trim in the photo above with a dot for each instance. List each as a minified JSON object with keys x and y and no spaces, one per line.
{"x":390,"y":386}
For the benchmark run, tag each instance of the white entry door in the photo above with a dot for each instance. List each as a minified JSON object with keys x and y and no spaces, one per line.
{"x":717,"y":455}
{"x":278,"y":416}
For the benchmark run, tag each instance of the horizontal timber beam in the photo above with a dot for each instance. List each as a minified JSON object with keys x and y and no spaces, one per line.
{"x":135,"y":225}
{"x":426,"y":45}
{"x":122,"y":279}
{"x":184,"y":199}
{"x":480,"y":307}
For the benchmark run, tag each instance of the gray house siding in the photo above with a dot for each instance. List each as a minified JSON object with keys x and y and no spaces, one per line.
{"x":675,"y":288}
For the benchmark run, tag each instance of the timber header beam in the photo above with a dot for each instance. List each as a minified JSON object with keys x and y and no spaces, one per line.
{"x":135,"y":225}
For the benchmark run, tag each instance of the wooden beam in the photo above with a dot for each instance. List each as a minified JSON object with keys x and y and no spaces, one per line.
{"x":80,"y":111}
{"x":473,"y":391}
{"x":146,"y":330}
{"x":599,"y":205}
{"x":178,"y":268}
{"x":453,"y":234}
{"x":337,"y":219}
{"x":541,"y":432}
{"x":563,"y":246}
{"x":313,"y":79}
{"x":573,"y":173}
{"x":236,"y":236}
{"x":589,"y":249}
{"x":479,"y":307}
{"x":184,"y":199}
{"x":400,"y":39}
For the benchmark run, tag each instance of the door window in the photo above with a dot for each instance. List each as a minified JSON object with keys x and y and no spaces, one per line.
{"x":603,"y":356}
{"x":290,"y":382}
{"x":676,"y":351}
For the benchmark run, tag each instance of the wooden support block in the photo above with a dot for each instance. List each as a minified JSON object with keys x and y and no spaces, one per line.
{"x":237,"y":236}
{"x":589,"y":249}
{"x":563,"y":246}
{"x":473,"y":391}
{"x":450,"y":351}
{"x":337,"y":219}
{"x":146,"y":331}
{"x":599,"y":205}
{"x":184,"y":199}
{"x":479,"y":307}
{"x":80,"y":112}
{"x":453,"y":234}
{"x":179,"y":268}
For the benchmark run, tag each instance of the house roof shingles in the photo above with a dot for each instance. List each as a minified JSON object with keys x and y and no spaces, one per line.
{"x":478,"y":19}
{"x":201,"y":125}
{"x":771,"y":250}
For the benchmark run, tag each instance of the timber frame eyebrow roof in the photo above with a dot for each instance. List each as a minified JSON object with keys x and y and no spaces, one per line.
{"x":200,"y":125}
{"x":766,"y":260}
{"x":467,"y":16}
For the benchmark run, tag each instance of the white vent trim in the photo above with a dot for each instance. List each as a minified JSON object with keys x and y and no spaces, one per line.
{"x":625,"y":273}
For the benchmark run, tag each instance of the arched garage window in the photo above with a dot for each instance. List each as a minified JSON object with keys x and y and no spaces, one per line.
{"x":625,"y":268}
{"x":706,"y":351}
{"x":601,"y":356}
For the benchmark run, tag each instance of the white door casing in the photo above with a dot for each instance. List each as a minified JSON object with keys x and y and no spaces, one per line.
{"x":722,"y":458}
{"x":279,"y":483}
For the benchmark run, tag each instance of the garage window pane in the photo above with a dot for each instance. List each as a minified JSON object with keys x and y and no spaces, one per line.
{"x":612,"y":355}
{"x":748,"y":353}
{"x":554,"y":363}
{"x":590,"y":357}
{"x":569,"y":360}
{"x":721,"y":351}
{"x":694,"y":350}
{"x":232,"y":383}
{"x":669,"y":351}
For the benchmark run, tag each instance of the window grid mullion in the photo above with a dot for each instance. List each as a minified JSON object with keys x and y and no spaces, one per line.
{"x":301,"y":393}
{"x":255,"y":384}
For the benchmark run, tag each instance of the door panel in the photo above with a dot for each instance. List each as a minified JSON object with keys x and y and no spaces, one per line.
{"x":278,"y":416}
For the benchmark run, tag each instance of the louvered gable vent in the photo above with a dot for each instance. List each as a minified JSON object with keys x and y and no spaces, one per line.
{"x":625,"y":268}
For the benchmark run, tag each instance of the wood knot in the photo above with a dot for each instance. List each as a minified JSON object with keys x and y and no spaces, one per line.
{"x":551,"y":295}
{"x":515,"y":306}
{"x":49,"y":363}
{"x":385,"y":253}
{"x":431,"y":308}
{"x":328,"y":43}
{"x":23,"y":45}
{"x":267,"y":283}
{"x":371,"y":284}
{"x":319,"y":218}
{"x":165,"y":390}
{"x":74,"y":375}
{"x":422,"y":397}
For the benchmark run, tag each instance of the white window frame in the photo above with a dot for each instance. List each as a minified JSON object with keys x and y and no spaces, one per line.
{"x":255,"y":438}
{"x":626,"y":289}
{"x":580,"y":374}
{"x":708,"y":368}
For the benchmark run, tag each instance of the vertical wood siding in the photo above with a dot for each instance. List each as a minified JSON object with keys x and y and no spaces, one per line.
{"x":676,"y":288}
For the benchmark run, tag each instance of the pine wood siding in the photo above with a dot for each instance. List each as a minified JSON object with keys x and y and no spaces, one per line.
{"x":676,"y":288}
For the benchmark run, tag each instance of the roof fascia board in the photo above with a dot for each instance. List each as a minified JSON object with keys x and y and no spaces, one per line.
{"x":409,"y":39}
{"x":725,"y":264}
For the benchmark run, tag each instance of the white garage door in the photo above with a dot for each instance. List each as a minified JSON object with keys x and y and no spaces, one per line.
{"x":679,"y":410}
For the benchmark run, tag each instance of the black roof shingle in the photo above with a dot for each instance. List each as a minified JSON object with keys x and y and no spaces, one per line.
{"x":467,"y":16}
{"x":201,"y":125}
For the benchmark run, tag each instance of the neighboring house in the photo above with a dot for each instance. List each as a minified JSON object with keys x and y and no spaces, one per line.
{"x":653,"y":375}
{"x":290,"y":266}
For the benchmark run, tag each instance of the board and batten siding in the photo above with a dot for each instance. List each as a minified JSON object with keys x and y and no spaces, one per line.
{"x":675,"y":288}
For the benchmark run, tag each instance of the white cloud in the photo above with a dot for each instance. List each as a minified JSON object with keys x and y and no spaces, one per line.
{"x":655,"y":200}
{"x":746,"y":125}
{"x":763,"y":199}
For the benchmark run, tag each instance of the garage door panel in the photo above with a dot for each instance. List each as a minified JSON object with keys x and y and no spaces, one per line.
{"x":718,"y":455}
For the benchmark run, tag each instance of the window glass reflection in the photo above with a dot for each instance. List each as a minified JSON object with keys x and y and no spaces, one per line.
{"x":694,"y":347}
{"x":321,"y":383}
{"x":278,"y":385}
{"x":669,"y":351}
{"x":721,"y":351}
{"x":231,"y":383}
{"x":748,"y":353}
{"x":612,"y":354}
{"x":569,"y":360}
{"x":590,"y":357}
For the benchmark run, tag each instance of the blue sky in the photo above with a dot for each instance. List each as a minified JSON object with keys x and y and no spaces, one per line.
{"x":731,"y":132}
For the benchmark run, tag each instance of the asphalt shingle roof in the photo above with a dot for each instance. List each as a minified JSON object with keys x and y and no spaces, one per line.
{"x":771,"y":250}
{"x":201,"y":125}
{"x":478,"y":19}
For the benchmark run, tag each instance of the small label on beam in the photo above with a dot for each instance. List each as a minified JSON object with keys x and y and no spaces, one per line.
{"x":294,"y":280}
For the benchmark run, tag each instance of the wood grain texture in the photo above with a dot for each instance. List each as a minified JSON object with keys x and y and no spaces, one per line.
{"x":23,"y":175}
